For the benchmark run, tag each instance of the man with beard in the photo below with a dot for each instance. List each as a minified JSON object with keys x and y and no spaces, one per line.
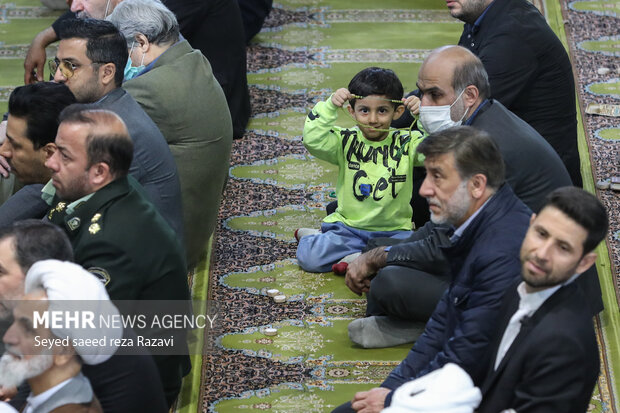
{"x":466,"y":190}
{"x":545,"y":356}
{"x":116,"y":233}
{"x":31,"y":129}
{"x":53,"y":371}
{"x":412,"y":275}
{"x":124,"y":383}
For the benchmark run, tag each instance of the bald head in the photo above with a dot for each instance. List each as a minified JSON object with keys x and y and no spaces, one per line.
{"x":460,"y":67}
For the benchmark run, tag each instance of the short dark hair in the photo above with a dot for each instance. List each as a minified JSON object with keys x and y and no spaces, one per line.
{"x":376,"y":81}
{"x":35,"y":240}
{"x":105,"y":44}
{"x":583,"y":208}
{"x":114,"y":149}
{"x":474,"y":152}
{"x":471,"y":72}
{"x":40,"y":105}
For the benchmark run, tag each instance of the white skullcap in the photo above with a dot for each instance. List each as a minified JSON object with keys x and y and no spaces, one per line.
{"x":6,"y":408}
{"x":447,"y":390}
{"x":64,"y":282}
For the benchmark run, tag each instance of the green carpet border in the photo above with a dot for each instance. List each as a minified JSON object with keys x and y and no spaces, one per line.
{"x":191,"y":389}
{"x":609,"y":319}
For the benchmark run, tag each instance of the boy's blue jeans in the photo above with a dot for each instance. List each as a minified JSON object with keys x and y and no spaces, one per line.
{"x":317,"y":253}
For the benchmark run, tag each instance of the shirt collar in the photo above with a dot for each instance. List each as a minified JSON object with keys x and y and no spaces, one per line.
{"x":473,"y":28}
{"x":459,"y":231}
{"x":39,"y":399}
{"x":533,"y":301}
{"x":49,"y":192}
{"x":470,"y":120}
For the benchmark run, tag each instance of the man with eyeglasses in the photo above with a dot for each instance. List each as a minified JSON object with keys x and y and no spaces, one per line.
{"x":90,"y":60}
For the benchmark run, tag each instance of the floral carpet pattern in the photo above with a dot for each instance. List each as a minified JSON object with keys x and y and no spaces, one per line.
{"x":306,"y":50}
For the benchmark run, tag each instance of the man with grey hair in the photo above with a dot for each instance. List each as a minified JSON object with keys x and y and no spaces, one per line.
{"x":466,"y":191}
{"x":177,"y":89}
{"x":529,"y":69}
{"x":213,"y":27}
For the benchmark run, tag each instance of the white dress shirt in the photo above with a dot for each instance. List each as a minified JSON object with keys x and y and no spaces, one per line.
{"x":528,"y":304}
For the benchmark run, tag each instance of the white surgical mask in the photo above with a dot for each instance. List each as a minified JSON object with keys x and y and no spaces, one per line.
{"x":437,"y":118}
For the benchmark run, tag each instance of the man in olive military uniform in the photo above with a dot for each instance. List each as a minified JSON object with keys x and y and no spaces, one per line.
{"x":115,"y":231}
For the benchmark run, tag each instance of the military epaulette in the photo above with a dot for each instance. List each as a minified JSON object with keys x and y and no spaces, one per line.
{"x":59,"y":208}
{"x":94,"y":224}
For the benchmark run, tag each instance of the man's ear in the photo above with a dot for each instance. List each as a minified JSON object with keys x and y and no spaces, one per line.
{"x":470,"y":96}
{"x":586,"y":262}
{"x":63,"y":355}
{"x":107,"y":72}
{"x":99,"y":174}
{"x":49,"y":150}
{"x":143,"y":43}
{"x":478,"y":185}
{"x":532,"y":218}
{"x":351,"y":109}
{"x":398,"y":112}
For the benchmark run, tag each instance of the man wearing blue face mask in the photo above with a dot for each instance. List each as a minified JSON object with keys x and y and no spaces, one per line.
{"x":455,"y":90}
{"x":132,"y":71}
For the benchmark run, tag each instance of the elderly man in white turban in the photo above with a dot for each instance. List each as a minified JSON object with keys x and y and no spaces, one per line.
{"x":50,"y":359}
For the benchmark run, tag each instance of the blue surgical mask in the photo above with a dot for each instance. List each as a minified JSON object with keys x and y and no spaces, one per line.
{"x":130,"y":70}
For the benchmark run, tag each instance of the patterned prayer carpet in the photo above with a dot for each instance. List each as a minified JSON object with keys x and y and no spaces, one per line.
{"x":307,"y":49}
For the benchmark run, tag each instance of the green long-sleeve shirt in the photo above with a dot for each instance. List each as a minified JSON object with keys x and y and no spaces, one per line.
{"x":375,"y":181}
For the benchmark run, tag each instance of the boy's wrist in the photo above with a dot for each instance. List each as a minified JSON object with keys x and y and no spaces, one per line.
{"x":330,"y":103}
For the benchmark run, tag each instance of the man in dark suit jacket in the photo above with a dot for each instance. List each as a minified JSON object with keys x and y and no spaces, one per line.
{"x":545,"y":357}
{"x":90,"y":62}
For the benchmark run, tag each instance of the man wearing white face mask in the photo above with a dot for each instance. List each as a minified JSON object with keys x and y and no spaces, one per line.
{"x":455,"y":90}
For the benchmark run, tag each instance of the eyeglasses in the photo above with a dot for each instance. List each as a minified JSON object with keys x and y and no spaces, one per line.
{"x":67,"y":68}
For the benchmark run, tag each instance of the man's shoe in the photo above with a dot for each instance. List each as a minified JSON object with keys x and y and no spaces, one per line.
{"x":302,"y":232}
{"x":382,"y":331}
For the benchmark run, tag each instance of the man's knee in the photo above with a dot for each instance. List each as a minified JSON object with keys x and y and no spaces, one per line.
{"x":344,"y":408}
{"x":387,"y":284}
{"x":406,"y":293}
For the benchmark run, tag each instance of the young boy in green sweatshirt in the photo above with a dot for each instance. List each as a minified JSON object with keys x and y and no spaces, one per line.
{"x":375,"y":165}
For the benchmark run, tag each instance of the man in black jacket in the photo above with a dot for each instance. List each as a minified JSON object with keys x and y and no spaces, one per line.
{"x":545,"y":356}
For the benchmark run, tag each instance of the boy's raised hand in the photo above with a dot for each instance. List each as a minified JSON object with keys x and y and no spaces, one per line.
{"x":412,"y":103}
{"x":341,"y":96}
